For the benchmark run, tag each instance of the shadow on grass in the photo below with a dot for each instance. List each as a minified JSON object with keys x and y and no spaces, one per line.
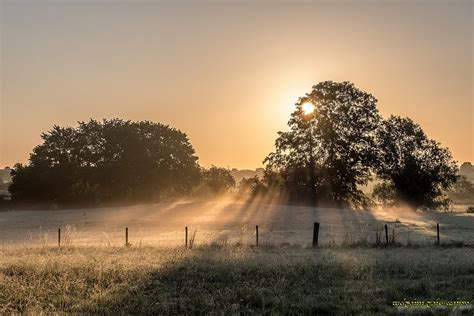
{"x":269,"y":280}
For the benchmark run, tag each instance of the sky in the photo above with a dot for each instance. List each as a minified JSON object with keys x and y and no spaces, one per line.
{"x":227,"y":73}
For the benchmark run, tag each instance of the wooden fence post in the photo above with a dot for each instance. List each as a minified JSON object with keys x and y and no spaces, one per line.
{"x":386,"y":234}
{"x":256,"y":234}
{"x":315,"y":234}
{"x":437,"y":231}
{"x":126,"y":236}
{"x":186,"y":237}
{"x":59,"y":237}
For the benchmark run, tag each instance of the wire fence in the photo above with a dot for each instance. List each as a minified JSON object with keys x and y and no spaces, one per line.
{"x":313,"y":235}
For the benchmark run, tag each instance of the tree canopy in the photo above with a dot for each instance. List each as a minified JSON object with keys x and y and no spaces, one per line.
{"x":218,"y":180}
{"x":417,"y":168}
{"x":337,"y":141}
{"x":106,"y":161}
{"x":462,"y":191}
{"x":329,"y":150}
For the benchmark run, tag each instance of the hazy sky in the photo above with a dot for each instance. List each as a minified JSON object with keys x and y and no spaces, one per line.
{"x":228,"y":73}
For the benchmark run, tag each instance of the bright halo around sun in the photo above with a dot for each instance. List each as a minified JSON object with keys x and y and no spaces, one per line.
{"x":307,"y":108}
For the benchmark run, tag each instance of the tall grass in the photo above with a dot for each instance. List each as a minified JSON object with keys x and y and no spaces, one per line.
{"x":230,"y":280}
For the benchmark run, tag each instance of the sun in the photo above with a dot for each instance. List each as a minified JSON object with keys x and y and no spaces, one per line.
{"x":307,"y":108}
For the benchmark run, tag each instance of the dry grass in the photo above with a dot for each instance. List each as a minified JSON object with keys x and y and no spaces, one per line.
{"x":216,"y":279}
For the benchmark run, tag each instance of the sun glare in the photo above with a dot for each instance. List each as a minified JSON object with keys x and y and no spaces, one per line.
{"x":307,"y":108}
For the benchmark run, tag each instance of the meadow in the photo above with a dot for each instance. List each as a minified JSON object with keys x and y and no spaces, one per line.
{"x":231,"y":221}
{"x":235,"y":280}
{"x":351,"y":272}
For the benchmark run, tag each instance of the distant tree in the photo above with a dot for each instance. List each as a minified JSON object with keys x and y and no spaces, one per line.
{"x":269,"y":182}
{"x":219,"y":180}
{"x":5,"y":174}
{"x":329,"y":151}
{"x":3,"y":186}
{"x":249,"y":185}
{"x":467,"y":170}
{"x":462,"y":191}
{"x":417,"y":167}
{"x":245,"y":173}
{"x":107,"y":161}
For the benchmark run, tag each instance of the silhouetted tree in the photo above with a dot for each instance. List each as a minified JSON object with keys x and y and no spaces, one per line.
{"x":106,"y":161}
{"x":417,"y":167}
{"x":329,"y":151}
{"x":219,"y":180}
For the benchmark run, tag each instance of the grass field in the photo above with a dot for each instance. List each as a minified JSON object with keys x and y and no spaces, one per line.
{"x":230,"y":220}
{"x":230,"y":280}
{"x":350,"y":273}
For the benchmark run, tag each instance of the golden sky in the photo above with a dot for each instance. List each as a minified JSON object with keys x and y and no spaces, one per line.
{"x":227,"y":73}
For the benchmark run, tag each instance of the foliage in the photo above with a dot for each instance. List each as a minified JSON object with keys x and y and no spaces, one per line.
{"x":329,"y":152}
{"x":467,"y":169}
{"x":107,"y":161}
{"x":462,"y":191}
{"x":271,"y":181}
{"x":418,"y":168}
{"x":219,"y":180}
{"x":250,"y":185}
{"x":384,"y":192}
{"x":3,"y":185}
{"x":239,"y":175}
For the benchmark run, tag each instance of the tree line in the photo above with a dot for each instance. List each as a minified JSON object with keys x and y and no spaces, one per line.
{"x":108,"y":161}
{"x":329,"y":152}
{"x":324,"y":158}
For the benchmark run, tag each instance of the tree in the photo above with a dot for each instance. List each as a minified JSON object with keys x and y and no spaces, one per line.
{"x":467,"y":170}
{"x":106,"y":161}
{"x":384,"y":192}
{"x":418,"y":168}
{"x":219,"y":180}
{"x":5,"y":174}
{"x":249,"y":186}
{"x":330,"y":149}
{"x":462,"y":191}
{"x":269,"y":182}
{"x":3,"y":185}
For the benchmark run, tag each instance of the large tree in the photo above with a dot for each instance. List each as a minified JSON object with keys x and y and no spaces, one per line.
{"x":330,"y":147}
{"x":106,"y":161}
{"x":417,"y":168}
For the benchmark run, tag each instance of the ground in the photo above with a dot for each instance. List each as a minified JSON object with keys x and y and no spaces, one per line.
{"x":351,"y":272}
{"x":230,"y":221}
{"x":231,"y":280}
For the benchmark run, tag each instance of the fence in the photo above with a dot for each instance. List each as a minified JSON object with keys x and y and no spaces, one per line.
{"x":381,"y":236}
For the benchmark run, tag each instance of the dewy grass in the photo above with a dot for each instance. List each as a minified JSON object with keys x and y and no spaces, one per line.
{"x":206,"y":280}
